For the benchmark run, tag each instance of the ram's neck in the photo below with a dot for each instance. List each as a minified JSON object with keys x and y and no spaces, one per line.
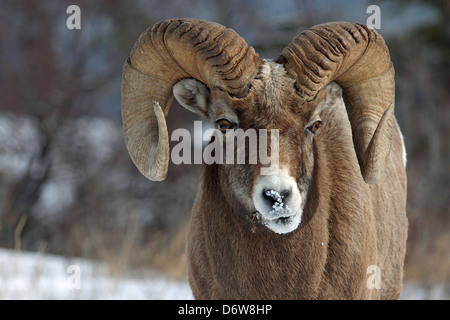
{"x":246,"y":261}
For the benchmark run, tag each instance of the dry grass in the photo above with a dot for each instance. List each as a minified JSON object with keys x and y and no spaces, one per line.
{"x":160,"y":252}
{"x":167,"y":253}
{"x":429,"y":261}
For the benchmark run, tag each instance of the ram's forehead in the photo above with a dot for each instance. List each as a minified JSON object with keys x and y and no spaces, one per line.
{"x":272,"y":102}
{"x":272,"y":83}
{"x":273,"y":96}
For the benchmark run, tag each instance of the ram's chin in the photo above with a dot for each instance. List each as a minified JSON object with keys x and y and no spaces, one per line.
{"x":283,"y":225}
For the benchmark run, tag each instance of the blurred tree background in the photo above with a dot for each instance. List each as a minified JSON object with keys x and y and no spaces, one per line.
{"x":67,"y":184}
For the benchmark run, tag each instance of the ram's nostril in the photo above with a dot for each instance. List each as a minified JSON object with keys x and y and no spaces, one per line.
{"x":285,"y":195}
{"x":273,"y":197}
{"x":268,"y":198}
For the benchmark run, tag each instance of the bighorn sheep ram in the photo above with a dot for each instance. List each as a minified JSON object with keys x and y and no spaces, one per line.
{"x":341,"y":169}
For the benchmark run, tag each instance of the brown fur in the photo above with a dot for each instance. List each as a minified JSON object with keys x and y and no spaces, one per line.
{"x":347,"y":224}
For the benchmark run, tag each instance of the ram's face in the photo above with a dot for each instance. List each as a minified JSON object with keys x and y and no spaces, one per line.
{"x":268,"y":142}
{"x":212,"y":71}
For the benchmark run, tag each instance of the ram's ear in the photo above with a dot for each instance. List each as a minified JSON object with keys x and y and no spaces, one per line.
{"x":193,"y":95}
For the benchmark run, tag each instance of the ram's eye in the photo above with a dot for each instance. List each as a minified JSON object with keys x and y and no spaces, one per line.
{"x":315,"y":126}
{"x":225,"y":125}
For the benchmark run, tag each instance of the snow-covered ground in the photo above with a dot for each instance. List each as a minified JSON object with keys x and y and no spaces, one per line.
{"x":27,"y":275}
{"x":415,"y":291}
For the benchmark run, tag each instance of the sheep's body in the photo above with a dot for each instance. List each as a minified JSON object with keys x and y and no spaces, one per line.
{"x":327,"y":218}
{"x":348,"y":225}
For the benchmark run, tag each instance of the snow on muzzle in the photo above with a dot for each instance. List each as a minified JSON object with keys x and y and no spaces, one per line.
{"x":278,"y":202}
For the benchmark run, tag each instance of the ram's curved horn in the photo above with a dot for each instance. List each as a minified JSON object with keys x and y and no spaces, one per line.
{"x":357,"y":58}
{"x":166,"y":53}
